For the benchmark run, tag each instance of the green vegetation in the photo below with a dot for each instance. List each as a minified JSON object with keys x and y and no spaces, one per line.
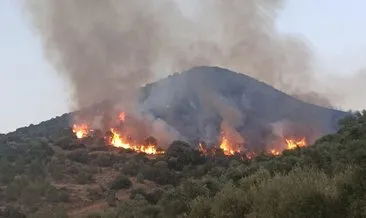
{"x":40,"y":175}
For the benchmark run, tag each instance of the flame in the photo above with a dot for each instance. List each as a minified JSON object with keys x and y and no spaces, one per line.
{"x":227,"y":148}
{"x":122,"y":116}
{"x":202,"y":148}
{"x":292,"y":143}
{"x":119,"y":142}
{"x":81,"y":131}
{"x":250,"y":155}
{"x":275,"y":152}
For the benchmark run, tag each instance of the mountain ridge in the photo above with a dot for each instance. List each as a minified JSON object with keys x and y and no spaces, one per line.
{"x":197,"y":101}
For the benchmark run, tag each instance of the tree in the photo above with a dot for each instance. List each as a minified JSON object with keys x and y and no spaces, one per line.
{"x":121,"y":182}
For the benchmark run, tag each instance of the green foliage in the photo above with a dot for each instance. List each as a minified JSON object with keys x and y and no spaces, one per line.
{"x":180,"y":154}
{"x":80,"y":156}
{"x":11,"y":212}
{"x":56,"y":195}
{"x":130,"y":168}
{"x":140,"y":178}
{"x":121,"y":182}
{"x":95,"y":193}
{"x":47,"y":212}
{"x":326,"y":179}
{"x":84,"y":177}
{"x":137,"y":208}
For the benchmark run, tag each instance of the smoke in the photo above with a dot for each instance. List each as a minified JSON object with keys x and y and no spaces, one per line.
{"x":106,"y":49}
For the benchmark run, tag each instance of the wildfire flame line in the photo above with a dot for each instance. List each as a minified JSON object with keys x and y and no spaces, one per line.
{"x":227,"y":148}
{"x":116,"y":139}
{"x":292,"y":143}
{"x":119,"y":142}
{"x":81,"y":130}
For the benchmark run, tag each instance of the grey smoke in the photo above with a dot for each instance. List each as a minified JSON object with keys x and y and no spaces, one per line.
{"x":105,"y":49}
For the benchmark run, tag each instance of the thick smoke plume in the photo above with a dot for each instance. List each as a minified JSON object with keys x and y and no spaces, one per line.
{"x":106,"y":49}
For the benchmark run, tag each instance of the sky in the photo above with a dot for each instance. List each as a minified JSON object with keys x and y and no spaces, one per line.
{"x":31,"y":91}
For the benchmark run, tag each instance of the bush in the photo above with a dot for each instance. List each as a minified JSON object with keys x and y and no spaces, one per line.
{"x":140,"y":178}
{"x":121,"y":182}
{"x":94,"y":215}
{"x":95,"y":193}
{"x":103,"y":160}
{"x":80,"y":156}
{"x":47,"y":212}
{"x":130,"y":168}
{"x":301,"y":193}
{"x":56,"y":195}
{"x":11,"y":212}
{"x":111,"y":198}
{"x":84,"y":178}
{"x":154,"y":196}
{"x":13,"y":191}
{"x":138,"y":191}
{"x":174,"y":203}
{"x":200,"y":207}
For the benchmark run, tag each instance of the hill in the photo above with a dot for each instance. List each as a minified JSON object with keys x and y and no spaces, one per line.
{"x":47,"y":172}
{"x":62,"y":176}
{"x":198,"y":102}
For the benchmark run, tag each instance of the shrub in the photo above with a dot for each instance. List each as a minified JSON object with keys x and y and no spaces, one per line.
{"x":79,"y":156}
{"x":95,"y":193}
{"x":103,"y":160}
{"x":140,"y":178}
{"x":84,"y":178}
{"x":56,"y":195}
{"x":121,"y":182}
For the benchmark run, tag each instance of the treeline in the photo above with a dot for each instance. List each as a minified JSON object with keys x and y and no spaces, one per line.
{"x":327,"y":179}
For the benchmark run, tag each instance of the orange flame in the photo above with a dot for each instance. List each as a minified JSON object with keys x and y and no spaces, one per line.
{"x":227,"y":148}
{"x":202,"y":148}
{"x":119,"y":142}
{"x":292,"y":143}
{"x":122,"y":116}
{"x":81,"y":131}
{"x":275,"y":152}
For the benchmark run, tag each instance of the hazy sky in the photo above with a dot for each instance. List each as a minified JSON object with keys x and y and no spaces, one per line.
{"x":31,"y":91}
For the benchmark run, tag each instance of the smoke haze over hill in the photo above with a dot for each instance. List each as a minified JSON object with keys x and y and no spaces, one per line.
{"x":106,"y":49}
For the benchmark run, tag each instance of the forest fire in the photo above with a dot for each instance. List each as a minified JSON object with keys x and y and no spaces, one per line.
{"x":289,"y":144}
{"x":114,"y":138}
{"x":228,"y":148}
{"x":293,"y":143}
{"x":81,"y":130}
{"x":122,"y":116}
{"x":202,"y":148}
{"x":275,"y":152}
{"x":117,"y":140}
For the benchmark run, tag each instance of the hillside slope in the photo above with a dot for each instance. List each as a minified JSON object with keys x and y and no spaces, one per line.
{"x":196,"y":102}
{"x":58,"y":175}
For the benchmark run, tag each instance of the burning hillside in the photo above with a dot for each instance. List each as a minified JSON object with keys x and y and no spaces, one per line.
{"x":119,"y":138}
{"x":228,"y":111}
